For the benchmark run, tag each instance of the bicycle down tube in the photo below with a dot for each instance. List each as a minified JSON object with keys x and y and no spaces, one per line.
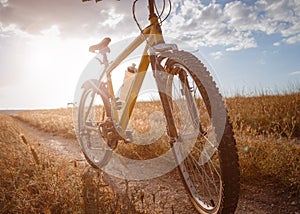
{"x":152,"y":35}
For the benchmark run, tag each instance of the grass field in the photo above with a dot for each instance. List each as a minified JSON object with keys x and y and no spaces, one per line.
{"x":267,"y":130}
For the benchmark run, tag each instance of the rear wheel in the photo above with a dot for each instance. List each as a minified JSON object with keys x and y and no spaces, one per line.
{"x":209,"y":164}
{"x":94,"y":111}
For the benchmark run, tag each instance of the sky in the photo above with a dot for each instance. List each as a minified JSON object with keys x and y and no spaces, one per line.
{"x":250,"y":46}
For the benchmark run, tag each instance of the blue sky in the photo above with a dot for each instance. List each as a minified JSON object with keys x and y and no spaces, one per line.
{"x":251,"y":45}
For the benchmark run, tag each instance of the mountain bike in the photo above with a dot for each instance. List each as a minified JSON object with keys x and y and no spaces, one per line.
{"x":194,"y":113}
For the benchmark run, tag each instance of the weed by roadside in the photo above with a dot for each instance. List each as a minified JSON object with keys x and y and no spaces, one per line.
{"x":267,"y":131}
{"x":37,"y":181}
{"x":55,"y":121}
{"x":278,"y":115}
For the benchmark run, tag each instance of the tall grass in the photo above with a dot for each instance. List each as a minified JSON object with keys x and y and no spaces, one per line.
{"x":56,"y":121}
{"x":37,"y":181}
{"x":267,"y":130}
{"x":33,"y":181}
{"x":278,"y":115}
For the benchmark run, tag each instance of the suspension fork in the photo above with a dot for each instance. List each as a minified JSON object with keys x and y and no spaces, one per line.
{"x":186,"y":90}
{"x":161,"y":79}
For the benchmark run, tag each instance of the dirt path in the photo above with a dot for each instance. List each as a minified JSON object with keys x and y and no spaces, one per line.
{"x":166,"y":194}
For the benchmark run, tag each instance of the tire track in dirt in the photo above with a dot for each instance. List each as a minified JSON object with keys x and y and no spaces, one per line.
{"x":166,"y":194}
{"x":56,"y":144}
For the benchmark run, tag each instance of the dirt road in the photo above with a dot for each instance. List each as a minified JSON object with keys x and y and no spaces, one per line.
{"x":166,"y":194}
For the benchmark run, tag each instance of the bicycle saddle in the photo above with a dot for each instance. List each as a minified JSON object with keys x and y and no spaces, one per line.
{"x":101,"y":47}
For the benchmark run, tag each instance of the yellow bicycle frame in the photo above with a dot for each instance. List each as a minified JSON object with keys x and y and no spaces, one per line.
{"x":153,"y":35}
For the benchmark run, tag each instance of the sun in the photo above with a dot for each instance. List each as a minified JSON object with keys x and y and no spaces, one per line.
{"x":53,"y":66}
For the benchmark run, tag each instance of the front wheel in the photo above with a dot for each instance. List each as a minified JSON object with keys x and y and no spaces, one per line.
{"x":209,"y":164}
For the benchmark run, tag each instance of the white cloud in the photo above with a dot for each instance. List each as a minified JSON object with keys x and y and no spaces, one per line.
{"x":294,"y":73}
{"x":53,"y":31}
{"x":73,"y":18}
{"x":113,"y":18}
{"x":217,"y":55}
{"x":239,"y":15}
{"x":4,"y":3}
{"x":293,"y":39}
{"x":12,"y":30}
{"x":276,"y":44}
{"x":279,"y":16}
{"x":234,"y":24}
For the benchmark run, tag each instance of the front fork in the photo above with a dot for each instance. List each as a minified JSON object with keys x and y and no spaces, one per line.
{"x":161,"y":79}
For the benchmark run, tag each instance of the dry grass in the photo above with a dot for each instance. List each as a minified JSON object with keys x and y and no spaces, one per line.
{"x":37,"y":181}
{"x":267,"y":158}
{"x":277,"y":115}
{"x":56,"y":121}
{"x":266,"y":127}
{"x":32,"y":180}
{"x":267,"y":130}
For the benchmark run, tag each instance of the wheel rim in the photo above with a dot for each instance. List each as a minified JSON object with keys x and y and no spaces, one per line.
{"x":201,"y":168}
{"x":92,"y":114}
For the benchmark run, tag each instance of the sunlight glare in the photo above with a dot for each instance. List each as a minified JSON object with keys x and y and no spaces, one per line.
{"x":54,"y":66}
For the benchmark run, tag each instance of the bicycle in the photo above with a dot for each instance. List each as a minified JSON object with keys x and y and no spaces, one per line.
{"x":194,"y":111}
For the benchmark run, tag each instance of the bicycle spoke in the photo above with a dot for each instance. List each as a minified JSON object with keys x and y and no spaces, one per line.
{"x":199,"y":156}
{"x":92,"y":112}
